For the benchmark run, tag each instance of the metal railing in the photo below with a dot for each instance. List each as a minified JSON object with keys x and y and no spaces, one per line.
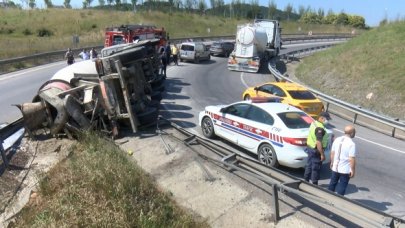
{"x":359,"y":214}
{"x":356,"y":111}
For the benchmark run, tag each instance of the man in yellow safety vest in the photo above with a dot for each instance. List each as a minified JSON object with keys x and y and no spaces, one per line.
{"x":317,"y":141}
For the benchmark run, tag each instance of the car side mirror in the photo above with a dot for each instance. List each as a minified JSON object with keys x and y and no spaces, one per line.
{"x":256,"y":88}
{"x":222,"y":110}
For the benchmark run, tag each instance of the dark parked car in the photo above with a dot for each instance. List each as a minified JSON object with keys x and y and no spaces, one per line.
{"x":222,"y":48}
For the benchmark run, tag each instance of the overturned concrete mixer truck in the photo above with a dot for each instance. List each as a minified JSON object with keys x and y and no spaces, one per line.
{"x":255,"y":44}
{"x":122,"y":89}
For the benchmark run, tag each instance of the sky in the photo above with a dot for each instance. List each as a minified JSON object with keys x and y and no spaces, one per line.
{"x":372,"y":10}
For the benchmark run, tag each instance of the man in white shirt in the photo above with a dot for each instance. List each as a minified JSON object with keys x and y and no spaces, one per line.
{"x":342,"y":161}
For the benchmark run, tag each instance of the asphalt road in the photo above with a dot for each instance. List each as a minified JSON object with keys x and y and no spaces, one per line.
{"x":379,"y":172}
{"x":191,"y":87}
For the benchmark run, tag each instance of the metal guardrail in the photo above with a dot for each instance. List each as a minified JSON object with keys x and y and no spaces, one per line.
{"x":395,"y":124}
{"x":352,"y":211}
{"x":19,"y":63}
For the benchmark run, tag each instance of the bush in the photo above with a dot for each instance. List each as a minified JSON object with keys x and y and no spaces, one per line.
{"x":93,"y":26}
{"x":27,"y":32}
{"x":44,"y":32}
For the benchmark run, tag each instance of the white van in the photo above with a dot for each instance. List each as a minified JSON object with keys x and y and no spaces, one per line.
{"x":193,"y":51}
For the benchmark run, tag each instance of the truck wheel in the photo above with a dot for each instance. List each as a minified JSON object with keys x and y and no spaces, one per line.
{"x":207,"y":128}
{"x":267,"y":156}
{"x":181,"y":60}
{"x":196,"y":60}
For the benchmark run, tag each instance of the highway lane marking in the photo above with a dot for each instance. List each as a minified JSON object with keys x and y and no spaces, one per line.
{"x":243,"y":81}
{"x":378,"y":144}
{"x":12,"y":75}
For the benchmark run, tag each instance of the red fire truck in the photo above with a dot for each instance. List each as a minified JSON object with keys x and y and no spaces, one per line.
{"x":130,"y":33}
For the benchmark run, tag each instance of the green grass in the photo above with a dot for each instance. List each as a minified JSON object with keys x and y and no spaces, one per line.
{"x":371,"y":63}
{"x":19,"y":28}
{"x":97,"y":186}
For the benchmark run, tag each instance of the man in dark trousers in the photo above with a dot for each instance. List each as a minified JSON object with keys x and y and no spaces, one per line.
{"x":316,"y":143}
{"x":168,"y":53}
{"x":163,"y":62}
{"x":342,"y":161}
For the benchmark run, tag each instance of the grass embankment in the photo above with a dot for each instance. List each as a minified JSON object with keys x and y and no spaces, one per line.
{"x":98,"y":186}
{"x":19,"y":28}
{"x":371,"y":63}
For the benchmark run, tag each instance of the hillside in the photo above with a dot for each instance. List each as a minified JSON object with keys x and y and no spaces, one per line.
{"x":367,"y":71}
{"x":19,"y":29}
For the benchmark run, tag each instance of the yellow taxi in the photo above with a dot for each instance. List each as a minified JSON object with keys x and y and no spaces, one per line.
{"x":291,"y":93}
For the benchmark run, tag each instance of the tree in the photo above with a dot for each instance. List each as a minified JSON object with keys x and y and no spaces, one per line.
{"x":342,"y":19}
{"x":178,"y":4}
{"x":67,"y":5}
{"x":89,"y":2}
{"x":301,"y":10}
{"x":133,"y":2}
{"x":101,"y":2}
{"x":321,"y":13}
{"x":357,"y":21}
{"x":188,"y":4}
{"x":31,"y":4}
{"x":117,"y":2}
{"x":48,"y":3}
{"x":202,"y":6}
{"x":109,"y":2}
{"x":288,"y":10}
{"x":255,"y":8}
{"x":272,"y":9}
{"x":310,"y":18}
{"x":330,"y":18}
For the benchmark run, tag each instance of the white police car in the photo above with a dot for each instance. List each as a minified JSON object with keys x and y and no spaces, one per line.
{"x":276,"y":132}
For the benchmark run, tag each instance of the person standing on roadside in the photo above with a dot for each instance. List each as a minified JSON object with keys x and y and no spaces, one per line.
{"x":163,"y":62}
{"x":85,"y":55}
{"x":175,"y":51}
{"x":168,"y":53}
{"x":93,"y":53}
{"x":342,"y":161}
{"x":317,"y":141}
{"x":70,"y":57}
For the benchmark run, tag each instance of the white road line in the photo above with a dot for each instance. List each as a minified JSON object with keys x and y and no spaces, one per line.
{"x":12,"y":75}
{"x":243,"y":81}
{"x":378,"y":144}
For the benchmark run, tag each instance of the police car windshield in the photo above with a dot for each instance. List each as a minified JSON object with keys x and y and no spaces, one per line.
{"x":295,"y":120}
{"x":301,"y":95}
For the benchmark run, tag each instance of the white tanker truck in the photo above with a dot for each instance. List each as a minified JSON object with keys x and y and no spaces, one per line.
{"x":255,"y":44}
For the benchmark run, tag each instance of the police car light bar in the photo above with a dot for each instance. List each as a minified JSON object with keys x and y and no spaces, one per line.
{"x":267,"y":99}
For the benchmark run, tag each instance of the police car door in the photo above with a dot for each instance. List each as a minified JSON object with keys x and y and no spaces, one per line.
{"x":231,"y":121}
{"x":256,"y":127}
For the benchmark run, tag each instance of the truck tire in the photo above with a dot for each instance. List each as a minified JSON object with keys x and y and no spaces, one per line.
{"x":197,"y":60}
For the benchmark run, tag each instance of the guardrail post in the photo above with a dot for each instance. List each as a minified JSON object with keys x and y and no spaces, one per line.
{"x":355,"y":118}
{"x":275,"y":204}
{"x":393,"y":132}
{"x":3,"y":154}
{"x":327,"y":106}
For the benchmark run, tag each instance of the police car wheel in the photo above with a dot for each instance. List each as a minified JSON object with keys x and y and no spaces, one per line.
{"x":267,"y":155}
{"x":207,"y":128}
